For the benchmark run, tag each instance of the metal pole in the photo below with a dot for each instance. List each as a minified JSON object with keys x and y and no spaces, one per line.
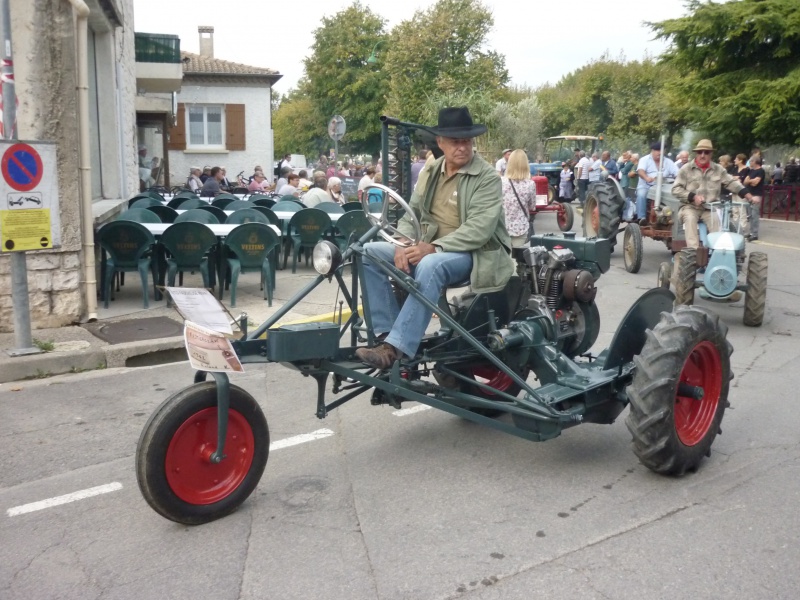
{"x":19,"y":267}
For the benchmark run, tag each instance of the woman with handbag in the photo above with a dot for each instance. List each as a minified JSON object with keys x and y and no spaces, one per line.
{"x":519,"y":198}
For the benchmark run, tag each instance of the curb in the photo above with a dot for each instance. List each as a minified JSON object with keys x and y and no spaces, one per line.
{"x":131,"y":354}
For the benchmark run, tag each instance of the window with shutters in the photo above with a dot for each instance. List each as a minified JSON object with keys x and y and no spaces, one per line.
{"x":205,"y":126}
{"x":208,"y":127}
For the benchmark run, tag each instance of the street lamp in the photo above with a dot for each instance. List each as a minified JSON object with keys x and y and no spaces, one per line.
{"x":373,"y":58}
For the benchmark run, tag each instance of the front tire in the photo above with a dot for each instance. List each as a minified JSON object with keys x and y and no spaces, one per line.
{"x":565,"y":217}
{"x":755,"y":299}
{"x":685,"y":275}
{"x":173,"y":467}
{"x":632,"y":248}
{"x":685,"y":353}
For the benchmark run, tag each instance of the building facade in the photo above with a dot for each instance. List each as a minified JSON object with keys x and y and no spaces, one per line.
{"x":223,"y":115}
{"x":44,"y":49}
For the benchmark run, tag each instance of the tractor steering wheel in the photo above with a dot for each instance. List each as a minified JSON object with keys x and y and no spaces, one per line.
{"x":389,"y":231}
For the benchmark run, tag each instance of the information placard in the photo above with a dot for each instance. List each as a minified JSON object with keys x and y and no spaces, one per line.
{"x":210,"y":350}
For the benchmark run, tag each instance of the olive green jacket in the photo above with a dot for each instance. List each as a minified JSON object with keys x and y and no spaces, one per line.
{"x":482,"y":231}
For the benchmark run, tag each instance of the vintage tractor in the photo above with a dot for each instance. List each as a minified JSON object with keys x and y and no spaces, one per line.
{"x":719,"y":259}
{"x":203,"y":451}
{"x":603,"y":217}
{"x":561,"y":149}
{"x":716,"y":268}
{"x":565,"y":216}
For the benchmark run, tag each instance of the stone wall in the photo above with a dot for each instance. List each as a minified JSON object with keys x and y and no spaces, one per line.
{"x":44,"y":50}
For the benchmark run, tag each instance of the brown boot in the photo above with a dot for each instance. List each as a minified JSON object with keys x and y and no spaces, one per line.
{"x":381,"y":357}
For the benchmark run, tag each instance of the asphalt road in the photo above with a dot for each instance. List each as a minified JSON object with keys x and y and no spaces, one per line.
{"x":419,"y":504}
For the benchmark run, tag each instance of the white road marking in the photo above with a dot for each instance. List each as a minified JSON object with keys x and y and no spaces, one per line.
{"x":300,"y":439}
{"x":65,"y":499}
{"x":404,"y":412}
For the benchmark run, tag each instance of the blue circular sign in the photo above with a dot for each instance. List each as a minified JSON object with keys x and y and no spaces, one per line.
{"x":21,"y":167}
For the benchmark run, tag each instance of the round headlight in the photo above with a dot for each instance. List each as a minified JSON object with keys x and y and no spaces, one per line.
{"x":326,"y":258}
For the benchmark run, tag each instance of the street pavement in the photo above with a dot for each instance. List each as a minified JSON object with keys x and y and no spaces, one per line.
{"x":417,"y":504}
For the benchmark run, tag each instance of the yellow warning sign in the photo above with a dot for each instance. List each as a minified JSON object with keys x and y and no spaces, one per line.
{"x":25,"y":230}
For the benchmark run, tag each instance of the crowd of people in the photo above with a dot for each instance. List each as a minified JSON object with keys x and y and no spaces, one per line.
{"x":637,"y":174}
{"x":322,"y":184}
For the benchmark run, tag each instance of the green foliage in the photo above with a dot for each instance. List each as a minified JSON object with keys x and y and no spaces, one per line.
{"x":44,"y":346}
{"x":438,"y":53}
{"x":339,"y":80}
{"x":515,"y":125}
{"x":298,"y":127}
{"x":624,"y":99}
{"x":740,"y":63}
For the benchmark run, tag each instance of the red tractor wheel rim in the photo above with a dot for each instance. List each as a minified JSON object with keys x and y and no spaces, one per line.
{"x":561,"y":216}
{"x":596,"y":218}
{"x":493,"y":377}
{"x":693,"y":418}
{"x":190,"y":473}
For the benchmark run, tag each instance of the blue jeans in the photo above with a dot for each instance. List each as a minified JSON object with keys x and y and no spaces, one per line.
{"x":434,"y":272}
{"x":641,"y":203}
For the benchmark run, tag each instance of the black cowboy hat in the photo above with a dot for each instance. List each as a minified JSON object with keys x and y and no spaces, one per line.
{"x":456,"y":122}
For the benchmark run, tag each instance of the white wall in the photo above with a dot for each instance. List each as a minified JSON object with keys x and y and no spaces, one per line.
{"x":258,"y":132}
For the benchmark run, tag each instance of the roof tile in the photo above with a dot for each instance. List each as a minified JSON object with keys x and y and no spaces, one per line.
{"x":194,"y":64}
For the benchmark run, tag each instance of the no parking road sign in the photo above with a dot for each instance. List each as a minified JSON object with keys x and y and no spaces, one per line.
{"x":29,"y":206}
{"x":21,"y":167}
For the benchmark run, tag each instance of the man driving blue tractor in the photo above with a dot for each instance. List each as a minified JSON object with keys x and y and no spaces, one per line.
{"x":699,"y":183}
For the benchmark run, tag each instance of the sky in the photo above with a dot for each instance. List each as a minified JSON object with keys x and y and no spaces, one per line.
{"x":542,"y":40}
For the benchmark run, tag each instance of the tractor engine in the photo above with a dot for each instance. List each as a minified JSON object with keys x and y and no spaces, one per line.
{"x":560,"y":309}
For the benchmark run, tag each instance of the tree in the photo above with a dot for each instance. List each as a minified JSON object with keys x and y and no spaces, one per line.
{"x":740,"y":63}
{"x":517,"y":125}
{"x":339,"y":80}
{"x":440,"y":51}
{"x":624,"y":99}
{"x":298,"y":127}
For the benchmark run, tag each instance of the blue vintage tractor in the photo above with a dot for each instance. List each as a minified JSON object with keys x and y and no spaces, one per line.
{"x":560,"y":149}
{"x":715,"y":268}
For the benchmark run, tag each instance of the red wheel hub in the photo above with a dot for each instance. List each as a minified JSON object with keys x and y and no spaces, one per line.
{"x":703,"y":369}
{"x":493,"y":377}
{"x":596,"y":218}
{"x":190,"y":473}
{"x":561,"y":216}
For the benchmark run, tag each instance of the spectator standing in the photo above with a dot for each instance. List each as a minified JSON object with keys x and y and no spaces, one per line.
{"x":582,"y":175}
{"x":648,"y":169}
{"x":724,"y":161}
{"x":367,"y":179}
{"x":681,"y":159}
{"x":206,"y":174}
{"x":742,"y":170}
{"x":416,"y":167}
{"x":194,"y":182}
{"x":318,"y":193}
{"x":519,"y":198}
{"x":610,"y":166}
{"x":565,"y":184}
{"x":284,"y":163}
{"x":755,"y":185}
{"x":777,"y":174}
{"x":501,"y":165}
{"x":595,"y":169}
{"x":791,"y":173}
{"x":211,"y":186}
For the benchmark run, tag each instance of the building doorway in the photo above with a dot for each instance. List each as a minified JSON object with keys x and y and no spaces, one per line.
{"x":152,"y":156}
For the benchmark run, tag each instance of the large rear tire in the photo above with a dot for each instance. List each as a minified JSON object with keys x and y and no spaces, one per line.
{"x":755,"y":299}
{"x":173,"y":466}
{"x":680,"y":390}
{"x":685,"y":274}
{"x":603,"y":212}
{"x":632,"y":248}
{"x":565,"y":217}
